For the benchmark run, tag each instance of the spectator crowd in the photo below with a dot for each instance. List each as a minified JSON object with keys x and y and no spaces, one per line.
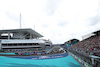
{"x":90,"y":46}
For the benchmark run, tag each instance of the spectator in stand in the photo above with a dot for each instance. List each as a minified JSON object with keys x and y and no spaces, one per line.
{"x":88,"y":46}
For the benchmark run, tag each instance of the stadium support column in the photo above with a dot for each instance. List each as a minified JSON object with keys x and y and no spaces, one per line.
{"x":0,"y":45}
{"x":8,"y":35}
{"x":30,"y":36}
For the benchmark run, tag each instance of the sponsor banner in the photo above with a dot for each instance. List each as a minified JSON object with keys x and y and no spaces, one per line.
{"x":80,"y":60}
{"x":76,"y":57}
{"x":86,"y":64}
{"x":42,"y":57}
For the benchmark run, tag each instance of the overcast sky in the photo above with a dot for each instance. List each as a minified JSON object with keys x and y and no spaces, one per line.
{"x":56,"y":20}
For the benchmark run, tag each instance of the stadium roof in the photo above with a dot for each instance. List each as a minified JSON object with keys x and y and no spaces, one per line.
{"x":73,"y":40}
{"x":28,"y":30}
{"x":97,"y":32}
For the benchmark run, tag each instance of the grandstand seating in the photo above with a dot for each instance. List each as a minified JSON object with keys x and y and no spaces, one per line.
{"x":89,"y":46}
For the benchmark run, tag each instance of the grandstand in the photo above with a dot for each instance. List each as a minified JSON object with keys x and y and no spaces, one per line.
{"x":88,"y":49}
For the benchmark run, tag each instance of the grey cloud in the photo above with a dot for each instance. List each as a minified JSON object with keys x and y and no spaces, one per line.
{"x":12,"y":16}
{"x":45,"y":25}
{"x":51,"y":6}
{"x":94,"y":20}
{"x":63,"y":23}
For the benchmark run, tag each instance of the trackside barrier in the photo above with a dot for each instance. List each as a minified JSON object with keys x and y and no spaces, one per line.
{"x":80,"y":60}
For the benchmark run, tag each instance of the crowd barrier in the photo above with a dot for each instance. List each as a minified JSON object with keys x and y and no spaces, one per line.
{"x":80,"y":60}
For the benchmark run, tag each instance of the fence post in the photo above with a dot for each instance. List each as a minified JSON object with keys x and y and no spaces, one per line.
{"x":92,"y":61}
